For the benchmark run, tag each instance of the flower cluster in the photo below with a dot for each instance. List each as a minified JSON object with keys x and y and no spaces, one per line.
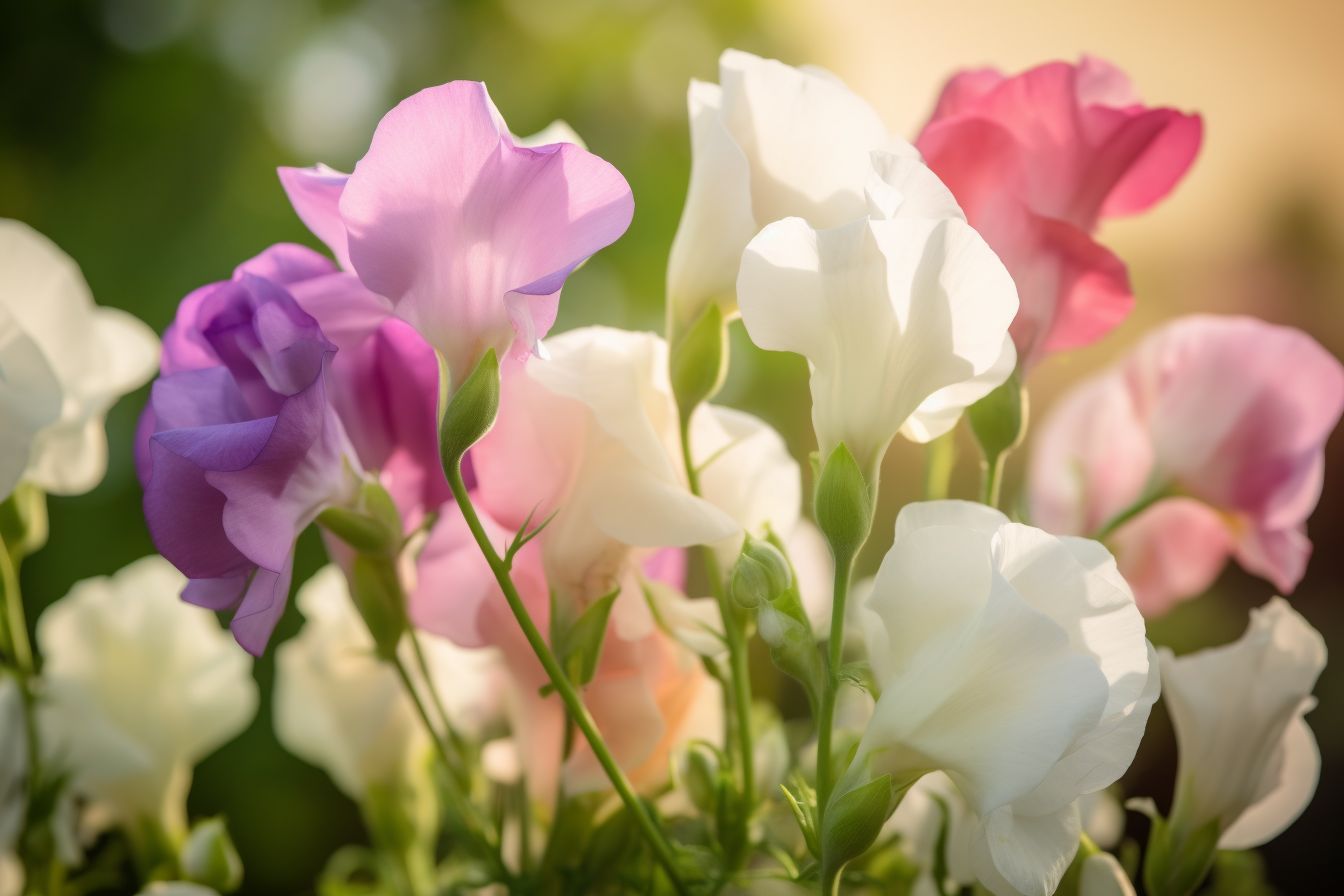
{"x":531,"y":659}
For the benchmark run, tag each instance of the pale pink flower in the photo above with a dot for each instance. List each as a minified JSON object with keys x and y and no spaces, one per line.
{"x":1036,"y":161}
{"x":466,"y":234}
{"x":1226,"y":419}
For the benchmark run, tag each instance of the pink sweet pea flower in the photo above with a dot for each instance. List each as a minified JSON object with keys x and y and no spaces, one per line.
{"x":1036,"y":161}
{"x":467,"y":235}
{"x":1224,"y":419}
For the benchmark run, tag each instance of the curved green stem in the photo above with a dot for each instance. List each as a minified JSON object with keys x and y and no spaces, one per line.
{"x":844,"y":568}
{"x":1146,"y":500}
{"x":739,"y":668}
{"x":573,"y":703}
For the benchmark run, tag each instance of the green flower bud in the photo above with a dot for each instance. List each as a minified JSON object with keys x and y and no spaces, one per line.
{"x":760,"y":574}
{"x":209,"y":858}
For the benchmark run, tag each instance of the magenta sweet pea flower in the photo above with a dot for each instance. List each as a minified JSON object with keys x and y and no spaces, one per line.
{"x":467,"y":235}
{"x":242,"y":447}
{"x":1036,"y":161}
{"x":1223,"y":420}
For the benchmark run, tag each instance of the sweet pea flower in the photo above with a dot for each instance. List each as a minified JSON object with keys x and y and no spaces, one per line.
{"x":1248,"y":761}
{"x":1016,"y":662}
{"x":590,"y":435}
{"x":769,"y":141}
{"x":903,"y":321}
{"x":65,"y":362}
{"x":1223,"y":420}
{"x":466,"y":234}
{"x":137,"y":688}
{"x":1037,"y":161}
{"x":241,"y":444}
{"x":342,"y":709}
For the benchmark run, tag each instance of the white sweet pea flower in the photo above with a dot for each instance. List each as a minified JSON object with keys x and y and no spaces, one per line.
{"x":591,"y":434}
{"x":903,"y":322}
{"x":64,"y":362}
{"x":770,"y":141}
{"x":1016,"y":662}
{"x":138,"y":687}
{"x":1101,"y":875}
{"x":1247,"y":758}
{"x":340,"y":708}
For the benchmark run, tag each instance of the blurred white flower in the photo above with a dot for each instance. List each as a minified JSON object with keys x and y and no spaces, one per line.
{"x":1102,"y":875}
{"x":903,"y":322}
{"x":769,"y":141}
{"x":1247,"y":758}
{"x":11,"y":875}
{"x":138,"y":687}
{"x":176,"y":888}
{"x":1016,"y":662}
{"x":342,"y":709}
{"x":64,"y":361}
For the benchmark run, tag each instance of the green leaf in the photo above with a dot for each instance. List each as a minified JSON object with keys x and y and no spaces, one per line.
{"x":852,"y":822}
{"x":377,"y":594}
{"x":208,"y":857}
{"x":844,"y":503}
{"x":699,"y":361}
{"x":470,"y":411}
{"x":579,"y":644}
{"x":998,"y":420}
{"x":802,"y":800}
{"x":860,"y":674}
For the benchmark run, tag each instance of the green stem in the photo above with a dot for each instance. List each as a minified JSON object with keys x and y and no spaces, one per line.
{"x":476,"y":828}
{"x":19,"y":647}
{"x":435,"y":699}
{"x":940,"y":456}
{"x":991,"y":482}
{"x":739,"y":667}
{"x":844,"y":568}
{"x":1148,"y":499}
{"x":573,"y":703}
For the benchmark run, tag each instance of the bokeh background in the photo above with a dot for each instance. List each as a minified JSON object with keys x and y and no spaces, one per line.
{"x":142,"y":136}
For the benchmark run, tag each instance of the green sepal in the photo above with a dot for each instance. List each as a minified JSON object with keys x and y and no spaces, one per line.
{"x":802,"y":801}
{"x":470,"y":411}
{"x":208,"y":857}
{"x":1177,"y":862}
{"x":852,"y":822}
{"x":363,"y":533}
{"x":844,"y":503}
{"x":699,"y":361}
{"x":377,"y":594}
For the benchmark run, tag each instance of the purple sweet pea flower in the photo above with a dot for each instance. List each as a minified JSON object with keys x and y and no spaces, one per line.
{"x":276,"y":388}
{"x":468,"y":236}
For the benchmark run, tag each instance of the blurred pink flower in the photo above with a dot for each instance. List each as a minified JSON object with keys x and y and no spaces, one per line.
{"x":1036,"y":160}
{"x":466,"y":235}
{"x":1224,"y":420}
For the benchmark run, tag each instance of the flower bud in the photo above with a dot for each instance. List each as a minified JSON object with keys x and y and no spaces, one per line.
{"x":209,"y":857}
{"x":760,"y":574}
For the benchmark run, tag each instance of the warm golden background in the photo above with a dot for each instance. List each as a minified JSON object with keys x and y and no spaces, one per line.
{"x":142,"y":136}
